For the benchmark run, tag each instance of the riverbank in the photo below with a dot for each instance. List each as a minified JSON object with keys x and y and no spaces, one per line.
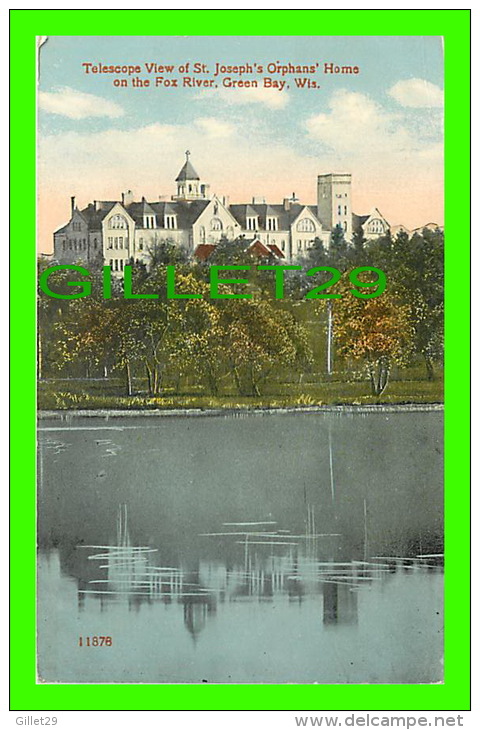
{"x":188,"y":412}
{"x":100,"y":395}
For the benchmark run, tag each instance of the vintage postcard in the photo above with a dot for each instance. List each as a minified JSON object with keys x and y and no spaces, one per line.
{"x":240,"y":359}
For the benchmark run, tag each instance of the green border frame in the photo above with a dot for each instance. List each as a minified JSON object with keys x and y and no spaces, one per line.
{"x":454,"y":694}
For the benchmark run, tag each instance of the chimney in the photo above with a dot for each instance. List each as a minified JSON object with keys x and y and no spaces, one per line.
{"x":127,"y":198}
{"x":287,"y":202}
{"x":72,"y":204}
{"x":96,"y":205}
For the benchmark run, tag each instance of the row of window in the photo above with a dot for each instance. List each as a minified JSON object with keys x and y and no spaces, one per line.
{"x":116,"y":264}
{"x":77,"y":245}
{"x":117,"y":221}
{"x":170,"y":222}
{"x":305,"y":225}
{"x":117,"y":242}
{"x":339,"y":210}
{"x":375,"y":226}
{"x":303,"y":245}
{"x":216,"y":225}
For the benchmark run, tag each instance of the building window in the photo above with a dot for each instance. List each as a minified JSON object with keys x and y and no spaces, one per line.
{"x":116,"y":241}
{"x":149,"y":221}
{"x":140,"y":244}
{"x":216,"y":224}
{"x":202,"y":234}
{"x":272,"y":224}
{"x":120,"y":241}
{"x":111,"y":264}
{"x":345,"y":210}
{"x":305,"y":225}
{"x":170,"y":221}
{"x":339,"y":210}
{"x":117,"y":221}
{"x":252,"y":223}
{"x":110,"y":242}
{"x":345,"y":226}
{"x":121,"y":264}
{"x":375,"y":226}
{"x":94,"y":243}
{"x":282,"y":245}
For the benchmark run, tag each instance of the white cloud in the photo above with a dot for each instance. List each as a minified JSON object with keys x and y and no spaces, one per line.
{"x":358,"y":129}
{"x":417,"y":93}
{"x":357,"y":126}
{"x":214,"y":128}
{"x":270,"y":98}
{"x":75,"y":104}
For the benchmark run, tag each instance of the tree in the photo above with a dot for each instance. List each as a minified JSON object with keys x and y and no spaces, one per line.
{"x":376,"y":331}
{"x":338,"y":251}
{"x":419,"y":280}
{"x":165,"y":251}
{"x":358,"y":247}
{"x":260,"y":336}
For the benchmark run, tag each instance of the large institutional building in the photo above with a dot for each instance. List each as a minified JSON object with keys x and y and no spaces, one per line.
{"x":120,"y":230}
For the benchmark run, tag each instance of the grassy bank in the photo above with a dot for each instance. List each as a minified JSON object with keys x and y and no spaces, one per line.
{"x":109,"y":394}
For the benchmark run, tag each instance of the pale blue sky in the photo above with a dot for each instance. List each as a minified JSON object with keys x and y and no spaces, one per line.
{"x":384,"y":124}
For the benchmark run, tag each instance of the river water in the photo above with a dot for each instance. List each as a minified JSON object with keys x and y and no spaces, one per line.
{"x":253,"y":548}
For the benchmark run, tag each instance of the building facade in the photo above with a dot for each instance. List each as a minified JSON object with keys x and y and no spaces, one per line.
{"x":115,"y":231}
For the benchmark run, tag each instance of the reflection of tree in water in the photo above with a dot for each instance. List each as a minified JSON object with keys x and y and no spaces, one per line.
{"x":271,"y":563}
{"x":340,"y":604}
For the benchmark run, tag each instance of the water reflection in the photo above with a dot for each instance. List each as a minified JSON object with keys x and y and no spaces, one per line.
{"x":270,"y":564}
{"x":288,"y":573}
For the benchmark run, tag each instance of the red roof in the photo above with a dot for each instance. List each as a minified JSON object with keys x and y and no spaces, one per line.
{"x":258,"y":249}
{"x":276,"y":251}
{"x":204,"y":251}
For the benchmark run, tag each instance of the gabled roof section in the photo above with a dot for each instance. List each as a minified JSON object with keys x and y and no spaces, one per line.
{"x":169,"y":209}
{"x":137,"y":211}
{"x":297,"y":209}
{"x":358,"y":220}
{"x":187,"y":212}
{"x":94,"y":214}
{"x":285,"y":217}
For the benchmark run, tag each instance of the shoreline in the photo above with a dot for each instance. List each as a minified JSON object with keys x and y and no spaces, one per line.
{"x":107,"y":413}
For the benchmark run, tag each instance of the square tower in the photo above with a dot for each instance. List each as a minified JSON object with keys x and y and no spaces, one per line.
{"x":334,"y":201}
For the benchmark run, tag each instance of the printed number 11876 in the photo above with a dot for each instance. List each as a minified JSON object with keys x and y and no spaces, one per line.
{"x":95,"y":641}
